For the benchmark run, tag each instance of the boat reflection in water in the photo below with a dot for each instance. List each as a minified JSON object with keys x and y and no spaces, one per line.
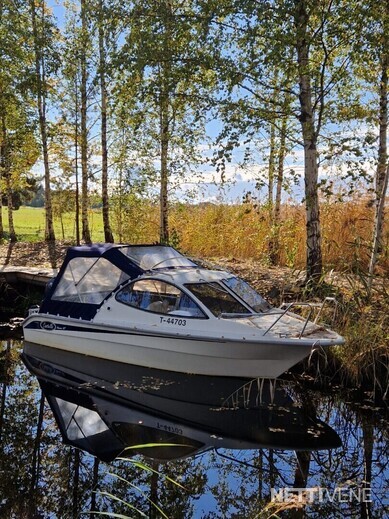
{"x":167,"y":415}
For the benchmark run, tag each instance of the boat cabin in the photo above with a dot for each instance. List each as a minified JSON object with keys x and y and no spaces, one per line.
{"x":164,"y":282}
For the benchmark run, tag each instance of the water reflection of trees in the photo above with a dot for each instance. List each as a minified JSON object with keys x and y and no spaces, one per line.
{"x":243,"y":490}
{"x":41,"y":477}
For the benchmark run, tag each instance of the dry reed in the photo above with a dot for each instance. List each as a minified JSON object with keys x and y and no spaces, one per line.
{"x":242,"y":231}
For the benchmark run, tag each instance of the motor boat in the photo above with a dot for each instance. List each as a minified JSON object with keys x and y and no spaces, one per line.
{"x":150,"y":306}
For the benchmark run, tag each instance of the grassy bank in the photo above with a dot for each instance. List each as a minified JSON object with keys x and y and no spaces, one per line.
{"x":239,"y":231}
{"x":362,"y":363}
{"x":242,"y":235}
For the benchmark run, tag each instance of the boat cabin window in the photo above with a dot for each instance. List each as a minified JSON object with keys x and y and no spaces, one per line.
{"x":248,"y":294}
{"x":88,"y":280}
{"x":156,"y":257}
{"x":217,"y":299}
{"x":159,"y":297}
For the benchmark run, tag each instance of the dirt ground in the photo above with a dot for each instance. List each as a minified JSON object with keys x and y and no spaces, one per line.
{"x":40,"y":254}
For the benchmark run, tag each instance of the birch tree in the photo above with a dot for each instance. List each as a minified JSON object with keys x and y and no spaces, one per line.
{"x":310,"y":126}
{"x":380,"y":51}
{"x":18,"y":146}
{"x":6,"y":175}
{"x":85,"y":45}
{"x":165,"y":85}
{"x":108,"y":235}
{"x":46,"y":61}
{"x":9,"y":77}
{"x":76,"y":95}
{"x":68,"y":96}
{"x":18,"y":153}
{"x":308,"y":40}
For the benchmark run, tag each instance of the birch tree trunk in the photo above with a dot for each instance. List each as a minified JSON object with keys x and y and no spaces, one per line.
{"x":280,"y":172}
{"x":84,"y":131}
{"x":276,"y":216}
{"x":95,"y":483}
{"x":119,"y":219}
{"x":272,"y":166}
{"x":164,"y":210}
{"x":76,"y":485}
{"x":41,"y":101}
{"x":2,"y":164}
{"x":11,"y":227}
{"x":77,"y":216}
{"x":7,"y":176}
{"x":382,"y":174}
{"x":108,"y":236}
{"x":164,"y":130}
{"x":307,"y":120}
{"x":153,"y":512}
{"x":368,"y":451}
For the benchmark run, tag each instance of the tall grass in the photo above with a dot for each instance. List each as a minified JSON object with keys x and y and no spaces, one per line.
{"x":242,"y":232}
{"x":224,"y":230}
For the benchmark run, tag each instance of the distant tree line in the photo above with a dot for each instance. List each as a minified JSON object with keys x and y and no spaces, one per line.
{"x":120,"y":95}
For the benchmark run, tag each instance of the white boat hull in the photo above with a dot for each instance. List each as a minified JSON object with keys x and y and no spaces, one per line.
{"x":185,"y":353}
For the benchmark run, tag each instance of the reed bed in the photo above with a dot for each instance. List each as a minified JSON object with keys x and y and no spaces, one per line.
{"x":225,"y":230}
{"x":242,"y":231}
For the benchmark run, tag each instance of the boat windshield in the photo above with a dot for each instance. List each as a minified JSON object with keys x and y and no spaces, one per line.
{"x":248,"y":294}
{"x":217,"y":299}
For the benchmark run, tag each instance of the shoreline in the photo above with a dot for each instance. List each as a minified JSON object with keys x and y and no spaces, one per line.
{"x":362,"y":361}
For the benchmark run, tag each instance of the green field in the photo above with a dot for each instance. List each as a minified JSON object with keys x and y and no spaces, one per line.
{"x":29,"y":224}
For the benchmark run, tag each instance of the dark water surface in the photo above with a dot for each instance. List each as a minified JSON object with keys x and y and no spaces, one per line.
{"x":240,"y":460}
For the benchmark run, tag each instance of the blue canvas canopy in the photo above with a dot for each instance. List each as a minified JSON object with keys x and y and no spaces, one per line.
{"x":89,"y":274}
